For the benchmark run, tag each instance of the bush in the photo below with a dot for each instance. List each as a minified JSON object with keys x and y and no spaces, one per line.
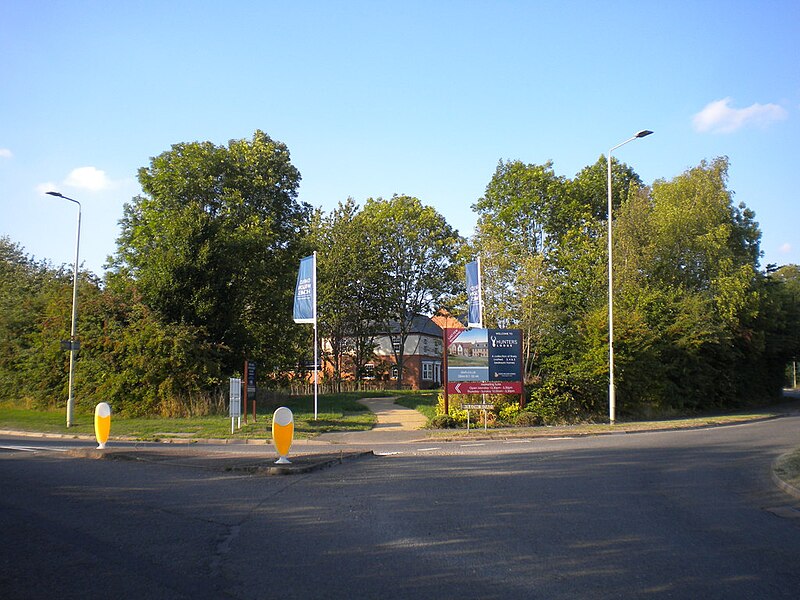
{"x":454,"y":403}
{"x":443,"y":422}
{"x":528,"y":419}
{"x":554,"y":403}
{"x":508,"y":412}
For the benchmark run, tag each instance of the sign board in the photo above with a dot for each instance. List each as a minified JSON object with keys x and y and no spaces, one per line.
{"x":477,"y":406}
{"x":484,"y":355}
{"x":236,"y":402}
{"x":251,"y":377}
{"x":235,"y":397}
{"x":484,"y":387}
{"x":505,"y":355}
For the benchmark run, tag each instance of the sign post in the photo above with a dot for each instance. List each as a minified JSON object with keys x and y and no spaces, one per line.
{"x":305,"y":308}
{"x":244,"y":393}
{"x":235,"y":401}
{"x":250,"y":388}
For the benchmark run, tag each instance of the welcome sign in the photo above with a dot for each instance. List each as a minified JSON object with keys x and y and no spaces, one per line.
{"x":484,"y":361}
{"x":505,"y":355}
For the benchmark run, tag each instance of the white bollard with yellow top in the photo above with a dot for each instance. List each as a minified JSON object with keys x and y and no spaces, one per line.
{"x":102,"y":424}
{"x":282,"y":433}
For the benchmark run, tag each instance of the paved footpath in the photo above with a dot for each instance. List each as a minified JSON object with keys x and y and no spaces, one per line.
{"x":395,"y":424}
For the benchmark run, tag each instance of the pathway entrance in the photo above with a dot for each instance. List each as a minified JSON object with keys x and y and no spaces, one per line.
{"x":395,"y":424}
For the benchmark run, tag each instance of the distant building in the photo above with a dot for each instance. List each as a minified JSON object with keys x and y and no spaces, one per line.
{"x":422,"y":355}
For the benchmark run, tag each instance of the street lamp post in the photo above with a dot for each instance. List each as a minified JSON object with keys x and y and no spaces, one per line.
{"x":72,"y":341}
{"x":612,"y":397}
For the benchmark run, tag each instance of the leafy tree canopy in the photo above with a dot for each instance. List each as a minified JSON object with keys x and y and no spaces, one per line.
{"x":214,"y":242}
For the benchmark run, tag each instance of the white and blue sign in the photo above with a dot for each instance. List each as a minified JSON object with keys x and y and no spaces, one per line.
{"x":485,"y":355}
{"x":474,"y":309}
{"x":505,"y":354}
{"x":304,"y":292}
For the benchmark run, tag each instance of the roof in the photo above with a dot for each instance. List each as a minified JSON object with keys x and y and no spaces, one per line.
{"x":420,"y":325}
{"x":445,"y":320}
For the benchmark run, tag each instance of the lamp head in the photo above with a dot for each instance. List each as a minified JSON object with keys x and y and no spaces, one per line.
{"x":58,"y":194}
{"x":643,"y":133}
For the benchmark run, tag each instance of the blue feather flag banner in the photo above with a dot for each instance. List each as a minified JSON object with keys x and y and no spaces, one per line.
{"x":305,"y":292}
{"x":474,"y":300}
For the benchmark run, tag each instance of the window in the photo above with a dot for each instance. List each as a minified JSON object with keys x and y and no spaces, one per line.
{"x":427,"y":371}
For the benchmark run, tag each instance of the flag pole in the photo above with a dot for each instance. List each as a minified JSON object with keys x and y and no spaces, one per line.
{"x":480,"y":326}
{"x":480,"y":292}
{"x":316,"y":348}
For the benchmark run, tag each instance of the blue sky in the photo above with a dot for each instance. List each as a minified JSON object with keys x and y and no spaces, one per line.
{"x":376,"y":98}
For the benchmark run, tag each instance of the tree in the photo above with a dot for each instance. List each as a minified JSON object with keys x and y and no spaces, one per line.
{"x":214,"y":243}
{"x":417,"y":250}
{"x":348,"y":284}
{"x":513,"y":236}
{"x":779,"y":319}
{"x":687,"y":260}
{"x":141,"y":364}
{"x":34,"y":296}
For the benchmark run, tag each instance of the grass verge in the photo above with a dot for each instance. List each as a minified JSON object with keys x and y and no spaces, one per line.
{"x":421,"y":401}
{"x":788,"y":468}
{"x":335,"y":412}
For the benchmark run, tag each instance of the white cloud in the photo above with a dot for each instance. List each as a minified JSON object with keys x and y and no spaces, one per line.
{"x":720,"y":117}
{"x":88,"y":178}
{"x":5,"y":153}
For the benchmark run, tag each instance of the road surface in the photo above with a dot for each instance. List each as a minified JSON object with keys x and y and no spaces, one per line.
{"x":684,"y":514}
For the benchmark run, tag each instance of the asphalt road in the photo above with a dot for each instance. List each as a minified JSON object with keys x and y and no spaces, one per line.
{"x":685,"y":514}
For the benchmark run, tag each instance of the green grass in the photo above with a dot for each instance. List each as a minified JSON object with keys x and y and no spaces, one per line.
{"x":335,"y":412}
{"x":422,"y":401}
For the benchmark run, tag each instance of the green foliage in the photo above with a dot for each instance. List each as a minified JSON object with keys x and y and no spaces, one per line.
{"x":416,"y":271}
{"x":348,"y":287}
{"x":509,"y":412}
{"x":143,"y":365}
{"x":696,"y":325}
{"x":445,"y":422}
{"x":555,"y":402}
{"x":454,"y":411}
{"x":688,"y":294}
{"x":35,"y":305}
{"x":527,"y":418}
{"x":129,"y":356}
{"x":207,"y":258}
{"x":214,"y":243}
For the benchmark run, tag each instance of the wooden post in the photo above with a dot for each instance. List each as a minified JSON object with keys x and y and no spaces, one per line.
{"x":245,"y":391}
{"x":523,"y":364}
{"x":444,"y":374}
